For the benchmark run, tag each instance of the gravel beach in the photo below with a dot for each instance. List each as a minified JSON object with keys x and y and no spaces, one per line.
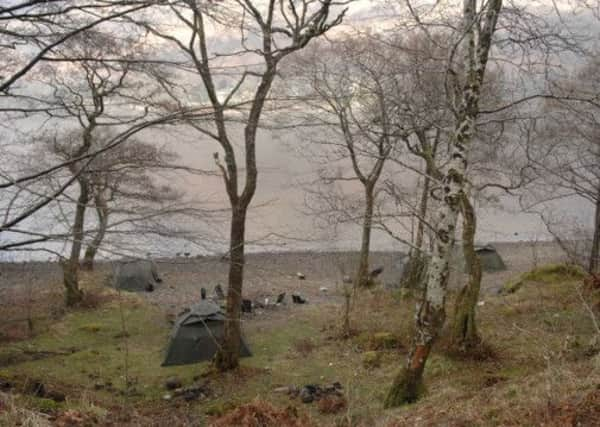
{"x":266,"y":275}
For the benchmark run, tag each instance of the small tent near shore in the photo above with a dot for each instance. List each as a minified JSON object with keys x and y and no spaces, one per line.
{"x":491,"y":261}
{"x":136,"y":276}
{"x":196,"y":335}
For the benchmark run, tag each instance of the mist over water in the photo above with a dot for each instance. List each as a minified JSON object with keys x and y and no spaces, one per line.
{"x":278,"y":219}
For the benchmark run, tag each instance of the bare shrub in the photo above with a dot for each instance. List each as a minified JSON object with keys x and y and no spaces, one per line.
{"x":260,"y":413}
{"x":332,"y":404}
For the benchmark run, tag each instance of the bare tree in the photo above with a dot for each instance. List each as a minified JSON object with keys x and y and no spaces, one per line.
{"x":122,"y":177}
{"x":268,"y":33}
{"x":88,"y":105}
{"x":39,"y":28}
{"x":565,"y":158}
{"x":348,"y":86}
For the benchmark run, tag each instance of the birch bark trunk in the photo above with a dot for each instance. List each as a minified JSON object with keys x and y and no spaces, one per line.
{"x":464,"y":328}
{"x":478,"y":29}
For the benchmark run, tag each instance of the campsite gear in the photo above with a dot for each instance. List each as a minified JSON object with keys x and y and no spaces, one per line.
{"x":376,"y":272}
{"x":219,"y":292}
{"x":136,"y":276}
{"x":297,"y":299}
{"x":280,"y":298}
{"x":489,"y":258}
{"x":196,"y":335}
{"x":246,"y":306}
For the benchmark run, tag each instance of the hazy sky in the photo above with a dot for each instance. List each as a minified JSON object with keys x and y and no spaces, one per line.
{"x":278,"y":208}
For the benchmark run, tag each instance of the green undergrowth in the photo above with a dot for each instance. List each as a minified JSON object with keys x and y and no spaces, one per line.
{"x":538,"y":334}
{"x":551,"y":273}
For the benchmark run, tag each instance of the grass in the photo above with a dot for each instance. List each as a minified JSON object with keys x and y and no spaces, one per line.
{"x":539,"y":336}
{"x":551,"y":273}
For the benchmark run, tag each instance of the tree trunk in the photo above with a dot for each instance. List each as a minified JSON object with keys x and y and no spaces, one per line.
{"x":362,"y":274}
{"x":464,"y":329}
{"x":595,"y":253}
{"x":228,"y":355}
{"x":414,"y":271}
{"x":431,"y":312}
{"x":73,"y":294}
{"x":92,"y":249}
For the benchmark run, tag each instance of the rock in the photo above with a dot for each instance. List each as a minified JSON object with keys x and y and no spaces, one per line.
{"x":188,"y":396}
{"x":172,"y":383}
{"x":149,"y":287}
{"x":480,"y":303}
{"x":323,"y":289}
{"x":347,"y":280}
{"x":284,"y":389}
{"x":306,"y":396}
{"x":371,"y":359}
{"x":202,"y":293}
{"x":280,"y":298}
{"x":5,"y":385}
{"x":193,"y":392}
{"x":300,"y":276}
{"x":167,"y":396}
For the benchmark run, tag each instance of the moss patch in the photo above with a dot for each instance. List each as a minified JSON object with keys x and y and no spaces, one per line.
{"x":553,"y":273}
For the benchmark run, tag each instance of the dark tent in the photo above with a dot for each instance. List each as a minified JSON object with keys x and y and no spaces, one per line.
{"x":136,"y":276}
{"x":490,"y":259}
{"x":196,"y":335}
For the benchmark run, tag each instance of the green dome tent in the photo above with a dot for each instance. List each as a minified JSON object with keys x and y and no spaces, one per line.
{"x":196,"y":335}
{"x":491,"y":260}
{"x":136,"y":276}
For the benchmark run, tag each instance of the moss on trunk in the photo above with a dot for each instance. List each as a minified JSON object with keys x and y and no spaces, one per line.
{"x":464,"y":329}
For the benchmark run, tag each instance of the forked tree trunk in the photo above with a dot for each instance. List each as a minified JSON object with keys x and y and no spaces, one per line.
{"x":228,"y":355}
{"x":464,"y":328}
{"x":431,"y":311}
{"x":362,"y":274}
{"x":92,"y":248}
{"x":73,"y":293}
{"x":595,"y":253}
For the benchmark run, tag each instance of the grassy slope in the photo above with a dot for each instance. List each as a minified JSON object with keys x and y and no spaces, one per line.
{"x":540,"y":335}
